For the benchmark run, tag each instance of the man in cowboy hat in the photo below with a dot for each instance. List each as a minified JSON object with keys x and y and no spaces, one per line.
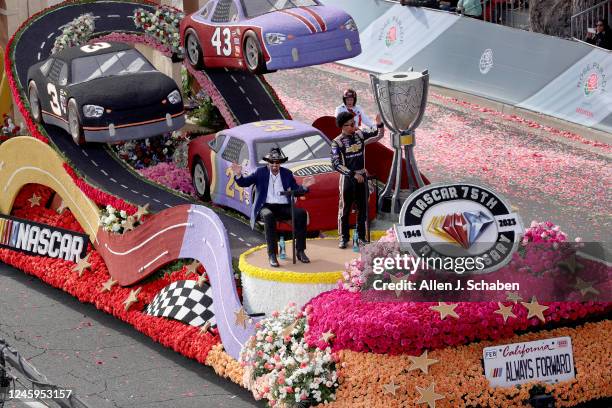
{"x":270,"y":181}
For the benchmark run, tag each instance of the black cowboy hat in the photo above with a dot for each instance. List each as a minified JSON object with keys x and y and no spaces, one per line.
{"x":275,"y":155}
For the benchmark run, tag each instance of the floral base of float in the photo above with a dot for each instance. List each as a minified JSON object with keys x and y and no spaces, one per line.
{"x":320,"y":353}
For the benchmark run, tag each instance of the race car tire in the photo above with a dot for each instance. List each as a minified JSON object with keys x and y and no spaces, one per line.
{"x":34,"y":100}
{"x":199,"y":179}
{"x":193,"y":50}
{"x":74,"y":123}
{"x":253,"y":56}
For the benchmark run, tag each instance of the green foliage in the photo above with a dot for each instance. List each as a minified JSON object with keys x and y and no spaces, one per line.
{"x":207,"y":114}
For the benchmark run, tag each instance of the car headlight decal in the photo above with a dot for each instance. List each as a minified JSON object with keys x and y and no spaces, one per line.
{"x":275,"y":38}
{"x":174,"y":97}
{"x":92,"y":111}
{"x":350,"y":25}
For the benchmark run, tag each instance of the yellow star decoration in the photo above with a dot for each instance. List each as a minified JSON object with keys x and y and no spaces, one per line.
{"x":142,"y":210}
{"x":128,"y":224}
{"x":132,"y":298}
{"x":81,"y":265}
{"x":445,"y":310}
{"x":421,"y":362}
{"x":108,"y":285}
{"x":535,"y":309}
{"x":201,"y":280}
{"x":327,"y":336}
{"x":34,"y":200}
{"x":429,"y":396}
{"x":513,"y":297}
{"x":204,"y":328}
{"x":570,"y":264}
{"x":505,"y":311}
{"x":390,"y":388}
{"x":192,"y":268}
{"x":287,"y":330}
{"x":397,"y":279}
{"x":241,"y":318}
{"x":585,"y":287}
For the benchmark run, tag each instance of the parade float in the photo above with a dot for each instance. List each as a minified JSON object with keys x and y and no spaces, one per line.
{"x":163,"y":262}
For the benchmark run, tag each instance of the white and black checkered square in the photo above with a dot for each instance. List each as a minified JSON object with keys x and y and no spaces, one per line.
{"x":184,"y":301}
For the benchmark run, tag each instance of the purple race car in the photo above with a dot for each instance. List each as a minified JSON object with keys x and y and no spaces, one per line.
{"x":263,"y":35}
{"x":211,"y":156}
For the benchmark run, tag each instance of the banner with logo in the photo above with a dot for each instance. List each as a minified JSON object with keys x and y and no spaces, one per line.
{"x":393,"y":39}
{"x":41,"y":239}
{"x":546,"y":74}
{"x":581,"y":94}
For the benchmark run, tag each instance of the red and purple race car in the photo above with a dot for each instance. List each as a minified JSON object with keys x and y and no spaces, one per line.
{"x":308,"y":150}
{"x":262,"y":35}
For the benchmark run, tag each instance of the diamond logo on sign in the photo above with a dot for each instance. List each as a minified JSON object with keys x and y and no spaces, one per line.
{"x":486,"y":61}
{"x":460,"y":228}
{"x":461,"y":220}
{"x":478,"y":224}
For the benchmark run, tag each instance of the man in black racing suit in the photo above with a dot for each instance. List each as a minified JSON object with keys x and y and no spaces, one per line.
{"x":348,"y":158}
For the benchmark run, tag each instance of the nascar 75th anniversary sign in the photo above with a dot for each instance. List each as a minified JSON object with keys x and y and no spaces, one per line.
{"x":40,"y":239}
{"x":548,"y":360}
{"x":459,"y":220}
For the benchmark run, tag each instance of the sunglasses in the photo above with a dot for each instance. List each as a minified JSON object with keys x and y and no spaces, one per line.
{"x":275,"y":162}
{"x":350,"y":124}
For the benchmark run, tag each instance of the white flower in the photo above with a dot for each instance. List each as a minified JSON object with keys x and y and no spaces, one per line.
{"x":123,"y":214}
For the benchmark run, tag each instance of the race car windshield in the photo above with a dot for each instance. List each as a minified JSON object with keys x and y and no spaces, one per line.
{"x":105,"y":65}
{"x":254,"y":8}
{"x":297,"y":149}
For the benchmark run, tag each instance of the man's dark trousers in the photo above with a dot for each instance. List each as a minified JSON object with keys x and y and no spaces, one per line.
{"x":352,"y":192}
{"x":270,"y":213}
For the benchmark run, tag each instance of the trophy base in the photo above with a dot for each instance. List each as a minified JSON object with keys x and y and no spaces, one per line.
{"x":384,"y":205}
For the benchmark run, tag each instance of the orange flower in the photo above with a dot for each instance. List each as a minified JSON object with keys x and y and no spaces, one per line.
{"x":459,"y":375}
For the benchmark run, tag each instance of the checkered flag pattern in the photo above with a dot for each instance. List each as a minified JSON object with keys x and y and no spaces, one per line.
{"x":184,"y":301}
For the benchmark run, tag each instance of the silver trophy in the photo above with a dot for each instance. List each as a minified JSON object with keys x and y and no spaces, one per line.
{"x":401,"y":98}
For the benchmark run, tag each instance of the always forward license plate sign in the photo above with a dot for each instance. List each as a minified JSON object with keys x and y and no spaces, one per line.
{"x":548,"y":360}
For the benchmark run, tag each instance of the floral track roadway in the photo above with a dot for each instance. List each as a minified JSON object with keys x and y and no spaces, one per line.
{"x":34,"y":43}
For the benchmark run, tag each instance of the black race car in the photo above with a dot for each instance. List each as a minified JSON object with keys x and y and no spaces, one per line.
{"x":104,"y":92}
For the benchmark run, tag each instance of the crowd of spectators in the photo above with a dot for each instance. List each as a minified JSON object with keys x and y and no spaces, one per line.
{"x":494,"y":11}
